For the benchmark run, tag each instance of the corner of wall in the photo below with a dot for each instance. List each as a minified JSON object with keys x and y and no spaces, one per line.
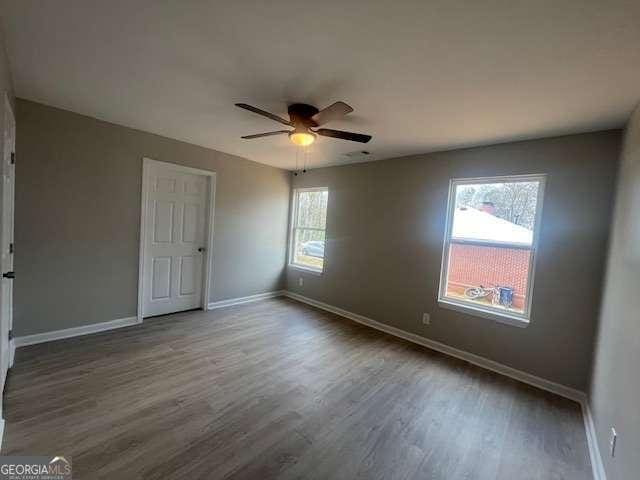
{"x":614,"y":390}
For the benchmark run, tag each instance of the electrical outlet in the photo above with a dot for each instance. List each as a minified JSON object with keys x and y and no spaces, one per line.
{"x":300,"y":281}
{"x":426,"y":319}
{"x":612,"y":441}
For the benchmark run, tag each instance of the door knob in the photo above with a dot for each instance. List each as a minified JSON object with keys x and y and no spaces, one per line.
{"x":9,"y":275}
{"x":201,"y":249}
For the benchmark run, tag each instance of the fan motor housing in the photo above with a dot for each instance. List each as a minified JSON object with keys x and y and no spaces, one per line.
{"x":301,"y":113}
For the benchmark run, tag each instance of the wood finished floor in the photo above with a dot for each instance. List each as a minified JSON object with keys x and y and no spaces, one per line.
{"x":277,"y":389}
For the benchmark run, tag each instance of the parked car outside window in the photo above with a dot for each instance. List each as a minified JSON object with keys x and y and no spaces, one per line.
{"x":313,"y":248}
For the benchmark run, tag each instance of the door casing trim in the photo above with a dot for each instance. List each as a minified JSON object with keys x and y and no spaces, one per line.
{"x":147,"y":164}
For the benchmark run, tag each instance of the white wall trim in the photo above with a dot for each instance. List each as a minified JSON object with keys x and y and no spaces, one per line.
{"x":251,"y":298}
{"x":558,"y":389}
{"x":549,"y":386}
{"x":12,"y":353}
{"x":126,"y":322}
{"x":1,"y":432}
{"x":485,"y":363}
{"x":75,"y":332}
{"x":592,"y":441}
{"x":293,"y":221}
{"x":511,"y":318}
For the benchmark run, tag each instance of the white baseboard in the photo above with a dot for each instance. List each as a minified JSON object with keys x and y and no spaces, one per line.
{"x":558,"y":389}
{"x":75,"y":332}
{"x":592,"y":441}
{"x":553,"y":387}
{"x":12,"y":351}
{"x":125,"y":322}
{"x":1,"y":432}
{"x":240,"y":300}
{"x":485,"y":363}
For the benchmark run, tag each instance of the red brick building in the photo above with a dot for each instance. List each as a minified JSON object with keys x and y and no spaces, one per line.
{"x":488,"y":251}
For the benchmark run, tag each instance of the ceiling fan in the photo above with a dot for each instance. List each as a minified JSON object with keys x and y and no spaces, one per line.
{"x":303,"y":118}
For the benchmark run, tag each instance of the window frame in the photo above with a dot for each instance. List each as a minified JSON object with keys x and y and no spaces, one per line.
{"x":486,"y":311}
{"x":293,"y":226}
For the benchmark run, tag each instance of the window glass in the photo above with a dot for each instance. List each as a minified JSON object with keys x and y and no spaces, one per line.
{"x":308,"y":229}
{"x":490,"y":244}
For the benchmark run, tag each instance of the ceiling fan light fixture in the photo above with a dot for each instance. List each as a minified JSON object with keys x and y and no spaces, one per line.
{"x":302,"y":138}
{"x":302,"y":118}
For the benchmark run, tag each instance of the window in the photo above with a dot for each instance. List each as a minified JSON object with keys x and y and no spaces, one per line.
{"x":308,"y":228}
{"x":490,"y":246}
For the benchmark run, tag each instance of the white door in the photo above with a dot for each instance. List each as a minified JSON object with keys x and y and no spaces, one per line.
{"x":6,"y":234}
{"x":175,"y":240}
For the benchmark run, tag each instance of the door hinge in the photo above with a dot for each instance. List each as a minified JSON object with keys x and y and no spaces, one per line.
{"x":11,"y":248}
{"x":13,"y":157}
{"x":10,"y":334}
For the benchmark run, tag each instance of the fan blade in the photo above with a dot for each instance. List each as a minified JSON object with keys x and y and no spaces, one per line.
{"x":264,"y":113}
{"x":267,"y":134}
{"x":332,"y":112}
{"x":354,"y":137}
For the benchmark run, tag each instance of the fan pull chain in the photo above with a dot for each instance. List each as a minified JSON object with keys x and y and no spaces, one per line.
{"x":306,"y":159}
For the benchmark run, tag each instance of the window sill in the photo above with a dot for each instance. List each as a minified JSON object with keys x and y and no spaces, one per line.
{"x":513,"y":320}
{"x":312,"y":271}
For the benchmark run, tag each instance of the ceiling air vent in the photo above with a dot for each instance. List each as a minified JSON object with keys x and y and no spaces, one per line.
{"x":358,"y":154}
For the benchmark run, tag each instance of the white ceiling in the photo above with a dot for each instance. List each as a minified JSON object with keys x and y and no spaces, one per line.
{"x":422,"y":75}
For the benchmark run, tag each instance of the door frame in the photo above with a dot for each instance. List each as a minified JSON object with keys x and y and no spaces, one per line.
{"x":9,"y":115}
{"x":147,"y":164}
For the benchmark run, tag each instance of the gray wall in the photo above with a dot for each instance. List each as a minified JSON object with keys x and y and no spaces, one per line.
{"x":615,"y":385}
{"x":78,"y":184}
{"x":6,"y":84}
{"x":384,"y":244}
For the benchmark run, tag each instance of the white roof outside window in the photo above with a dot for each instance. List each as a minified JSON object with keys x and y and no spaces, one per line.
{"x":472,"y":224}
